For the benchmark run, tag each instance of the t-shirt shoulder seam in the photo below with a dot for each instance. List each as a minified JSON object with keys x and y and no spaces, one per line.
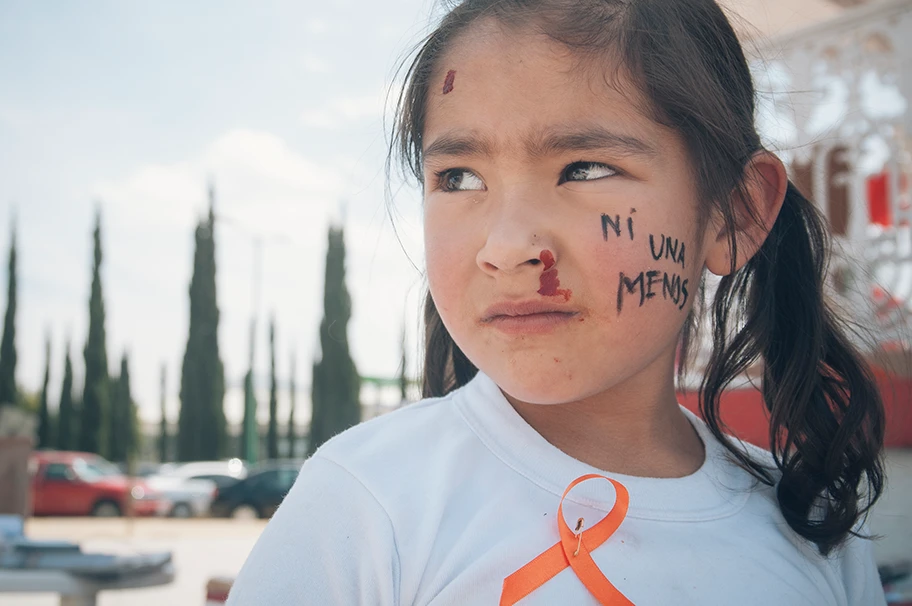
{"x":389,"y":518}
{"x":412,"y":407}
{"x":425,"y":402}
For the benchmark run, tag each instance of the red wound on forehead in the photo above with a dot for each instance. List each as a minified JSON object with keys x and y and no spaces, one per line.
{"x":448,"y":81}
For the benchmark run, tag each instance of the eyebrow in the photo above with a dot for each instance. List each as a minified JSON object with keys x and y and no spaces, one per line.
{"x":588,"y":138}
{"x":453,"y":144}
{"x":551,"y":141}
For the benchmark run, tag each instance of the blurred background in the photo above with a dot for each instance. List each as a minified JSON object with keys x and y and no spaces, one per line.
{"x":208,"y":272}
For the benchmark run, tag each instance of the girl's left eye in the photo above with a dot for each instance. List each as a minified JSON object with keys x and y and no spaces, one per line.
{"x":586,"y":171}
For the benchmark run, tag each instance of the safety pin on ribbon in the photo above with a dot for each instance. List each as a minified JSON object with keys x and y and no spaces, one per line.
{"x":579,"y":536}
{"x":573,"y":553}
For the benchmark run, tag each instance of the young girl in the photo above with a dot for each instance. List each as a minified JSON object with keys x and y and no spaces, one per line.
{"x":584,"y":164}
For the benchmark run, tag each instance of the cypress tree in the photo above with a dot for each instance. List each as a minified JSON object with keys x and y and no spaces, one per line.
{"x":336,"y":384}
{"x":8,"y":392}
{"x":116,"y":450}
{"x":94,"y":421}
{"x":201,"y":424}
{"x":272,"y":433}
{"x":45,"y":438}
{"x":403,"y":377}
{"x":123,"y":434}
{"x":250,"y":434}
{"x":292,"y":434}
{"x":163,"y":428}
{"x":66,"y":414}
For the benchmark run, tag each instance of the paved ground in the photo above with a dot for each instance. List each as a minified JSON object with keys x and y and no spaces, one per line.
{"x":202,"y":549}
{"x":206,"y":548}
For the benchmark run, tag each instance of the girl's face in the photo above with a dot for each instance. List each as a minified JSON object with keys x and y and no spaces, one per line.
{"x":560,"y":222}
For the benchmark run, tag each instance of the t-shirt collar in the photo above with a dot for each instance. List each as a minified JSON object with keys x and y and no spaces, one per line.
{"x":719,"y":488}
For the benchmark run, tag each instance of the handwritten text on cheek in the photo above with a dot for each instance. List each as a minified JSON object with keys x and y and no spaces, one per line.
{"x":645,"y":285}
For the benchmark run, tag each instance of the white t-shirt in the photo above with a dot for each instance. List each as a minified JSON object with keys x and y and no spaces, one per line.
{"x":438,"y":502}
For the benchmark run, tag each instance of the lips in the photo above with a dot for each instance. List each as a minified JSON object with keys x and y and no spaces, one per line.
{"x":523,"y":308}
{"x":523,"y":317}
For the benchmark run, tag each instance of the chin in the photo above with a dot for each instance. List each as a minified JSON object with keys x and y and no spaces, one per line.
{"x":538,"y":386}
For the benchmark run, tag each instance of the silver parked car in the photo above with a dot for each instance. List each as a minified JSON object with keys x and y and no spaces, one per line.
{"x":192,"y":487}
{"x":189,"y":498}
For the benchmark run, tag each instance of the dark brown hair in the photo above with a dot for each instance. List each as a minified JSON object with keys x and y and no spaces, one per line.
{"x":685,"y":60}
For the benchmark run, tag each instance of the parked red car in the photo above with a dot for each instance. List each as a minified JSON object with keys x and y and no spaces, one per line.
{"x":82,"y":484}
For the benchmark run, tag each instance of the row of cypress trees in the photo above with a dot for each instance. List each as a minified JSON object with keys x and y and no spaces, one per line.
{"x":104,"y":420}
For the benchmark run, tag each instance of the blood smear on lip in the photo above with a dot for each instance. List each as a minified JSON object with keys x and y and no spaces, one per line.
{"x":448,"y":81}
{"x":549,"y":283}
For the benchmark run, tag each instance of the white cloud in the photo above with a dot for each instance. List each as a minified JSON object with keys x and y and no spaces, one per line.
{"x":157,"y":195}
{"x":316,"y":26}
{"x":260,"y":181}
{"x":344,"y":110}
{"x":314,"y":64}
{"x":318,"y":118}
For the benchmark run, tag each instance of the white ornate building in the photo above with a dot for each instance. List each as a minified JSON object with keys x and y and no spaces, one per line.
{"x":834,"y":92}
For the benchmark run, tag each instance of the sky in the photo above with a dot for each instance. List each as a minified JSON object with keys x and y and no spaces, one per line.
{"x":133,"y":109}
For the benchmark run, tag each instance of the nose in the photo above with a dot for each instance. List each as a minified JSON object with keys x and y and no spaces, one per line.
{"x":514,"y":240}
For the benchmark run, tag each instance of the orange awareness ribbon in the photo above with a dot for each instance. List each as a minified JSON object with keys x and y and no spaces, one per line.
{"x":573,"y":550}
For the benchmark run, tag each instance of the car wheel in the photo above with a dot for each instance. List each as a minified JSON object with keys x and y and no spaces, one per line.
{"x":245,"y":512}
{"x":181,"y":510}
{"x":106,"y":509}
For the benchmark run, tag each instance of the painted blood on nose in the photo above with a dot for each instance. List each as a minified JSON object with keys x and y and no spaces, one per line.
{"x":547,"y":258}
{"x":549,"y":283}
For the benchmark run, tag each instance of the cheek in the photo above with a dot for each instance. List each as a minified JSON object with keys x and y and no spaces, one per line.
{"x":643,"y":266}
{"x":441,"y":278}
{"x":448,"y":257}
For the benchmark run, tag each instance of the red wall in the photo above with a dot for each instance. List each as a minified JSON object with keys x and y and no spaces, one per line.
{"x":743,"y":411}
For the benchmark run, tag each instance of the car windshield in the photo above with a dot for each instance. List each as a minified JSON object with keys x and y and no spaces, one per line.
{"x":92,"y":470}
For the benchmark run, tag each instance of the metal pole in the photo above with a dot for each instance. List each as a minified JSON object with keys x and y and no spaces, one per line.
{"x":251,"y":426}
{"x":250,"y":433}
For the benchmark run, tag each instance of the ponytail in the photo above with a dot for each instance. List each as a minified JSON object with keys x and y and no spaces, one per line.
{"x":826,"y":416}
{"x":445,"y":366}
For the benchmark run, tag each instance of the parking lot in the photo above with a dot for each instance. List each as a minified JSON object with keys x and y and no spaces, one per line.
{"x":202,"y":549}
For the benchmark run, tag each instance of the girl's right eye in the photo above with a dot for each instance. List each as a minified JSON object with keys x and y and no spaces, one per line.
{"x":459,"y":179}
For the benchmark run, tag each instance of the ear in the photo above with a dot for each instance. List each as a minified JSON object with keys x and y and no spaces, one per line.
{"x":765,"y":185}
